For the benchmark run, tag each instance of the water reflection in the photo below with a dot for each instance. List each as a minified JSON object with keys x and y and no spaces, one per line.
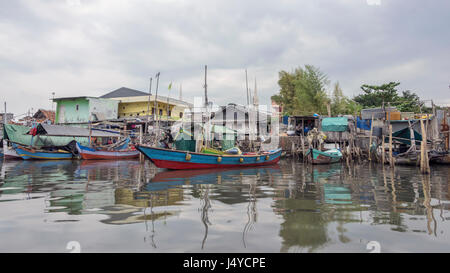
{"x":290,"y":207}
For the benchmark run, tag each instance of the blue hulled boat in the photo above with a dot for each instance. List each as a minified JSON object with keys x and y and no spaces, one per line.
{"x":27,"y":153}
{"x":179,"y":160}
{"x":326,"y":157}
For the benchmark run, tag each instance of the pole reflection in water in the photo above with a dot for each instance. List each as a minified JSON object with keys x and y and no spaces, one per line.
{"x":204,"y":212}
{"x":251,"y":210}
{"x":427,"y":203}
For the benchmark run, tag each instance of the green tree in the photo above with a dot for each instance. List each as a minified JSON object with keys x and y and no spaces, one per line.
{"x":409,"y":102}
{"x":375,"y":96}
{"x":302,"y":92}
{"x":340,"y":104}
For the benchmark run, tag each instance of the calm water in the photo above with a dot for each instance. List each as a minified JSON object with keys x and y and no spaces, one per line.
{"x":131,"y":207}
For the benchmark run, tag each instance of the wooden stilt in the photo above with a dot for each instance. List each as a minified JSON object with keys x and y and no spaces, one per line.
{"x":370,"y":138}
{"x":391,"y":157}
{"x":141,"y":157}
{"x":423,"y":147}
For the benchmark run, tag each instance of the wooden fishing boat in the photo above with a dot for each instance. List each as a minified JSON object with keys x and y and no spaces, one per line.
{"x":175,"y":159}
{"x":92,"y":153}
{"x":31,"y":153}
{"x":9,"y":152}
{"x":323,"y":157}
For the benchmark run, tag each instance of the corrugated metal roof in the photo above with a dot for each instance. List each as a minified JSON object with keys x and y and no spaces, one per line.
{"x":59,"y":130}
{"x":378,"y":113}
{"x":124,"y":92}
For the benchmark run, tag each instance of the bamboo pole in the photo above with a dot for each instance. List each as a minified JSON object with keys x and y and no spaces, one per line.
{"x":391,"y":158}
{"x":423,"y":144}
{"x":303,"y":147}
{"x":382,"y":151}
{"x":370,"y":138}
{"x":90,"y":134}
{"x":427,"y":161}
{"x":141,"y":157}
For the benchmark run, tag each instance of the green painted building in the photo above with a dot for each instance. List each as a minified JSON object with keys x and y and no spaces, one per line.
{"x":76,"y":110}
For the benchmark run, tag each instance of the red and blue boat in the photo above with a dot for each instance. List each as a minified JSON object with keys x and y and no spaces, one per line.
{"x":182,"y":160}
{"x":115,"y":154}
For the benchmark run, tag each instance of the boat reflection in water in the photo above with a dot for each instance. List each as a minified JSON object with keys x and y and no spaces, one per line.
{"x":201,"y":181}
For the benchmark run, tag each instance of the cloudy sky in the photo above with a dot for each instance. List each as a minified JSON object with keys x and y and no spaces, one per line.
{"x":91,"y":47}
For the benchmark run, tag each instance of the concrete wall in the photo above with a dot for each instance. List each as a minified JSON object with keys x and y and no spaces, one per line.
{"x":136,"y":109}
{"x":74,"y":110}
{"x":103,"y":109}
{"x":81,"y":110}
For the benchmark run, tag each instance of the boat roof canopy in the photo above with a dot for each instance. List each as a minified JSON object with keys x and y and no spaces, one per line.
{"x":59,"y":130}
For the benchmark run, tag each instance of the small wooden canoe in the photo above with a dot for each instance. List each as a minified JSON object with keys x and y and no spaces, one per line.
{"x":326,"y":157}
{"x":179,"y":160}
{"x":90,"y":153}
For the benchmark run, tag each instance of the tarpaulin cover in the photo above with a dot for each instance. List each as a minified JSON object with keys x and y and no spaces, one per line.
{"x":336,"y":124}
{"x":405,"y":134}
{"x":19,"y":134}
{"x":363,"y":123}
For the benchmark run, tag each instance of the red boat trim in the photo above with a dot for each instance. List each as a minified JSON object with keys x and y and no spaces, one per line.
{"x":189,"y":165}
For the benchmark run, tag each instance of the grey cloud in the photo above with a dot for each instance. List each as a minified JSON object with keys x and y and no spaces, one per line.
{"x":123,"y":43}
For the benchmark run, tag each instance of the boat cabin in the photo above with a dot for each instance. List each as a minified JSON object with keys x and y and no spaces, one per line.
{"x":301,"y":125}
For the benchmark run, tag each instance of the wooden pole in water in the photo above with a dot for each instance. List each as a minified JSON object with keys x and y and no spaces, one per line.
{"x":370,"y":138}
{"x":382,"y":150}
{"x":391,"y":158}
{"x":427,"y":161}
{"x":141,"y":157}
{"x":422,"y":148}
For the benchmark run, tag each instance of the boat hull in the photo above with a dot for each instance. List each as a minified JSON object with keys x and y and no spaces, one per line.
{"x":183,"y":160}
{"x":9,"y":152}
{"x":27,"y":154}
{"x":318,"y":157}
{"x":88,"y":153}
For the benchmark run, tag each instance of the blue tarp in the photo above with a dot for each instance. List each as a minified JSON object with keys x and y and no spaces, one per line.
{"x":363,"y":123}
{"x":285,"y":120}
{"x":335,"y":124}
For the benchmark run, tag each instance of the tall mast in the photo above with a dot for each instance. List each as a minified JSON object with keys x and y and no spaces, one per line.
{"x":4,"y":118}
{"x":256,"y":104}
{"x":168,"y":107}
{"x":148,"y":105}
{"x":255,"y":96}
{"x":155,"y":119}
{"x":246,"y":84}
{"x":206,"y":87}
